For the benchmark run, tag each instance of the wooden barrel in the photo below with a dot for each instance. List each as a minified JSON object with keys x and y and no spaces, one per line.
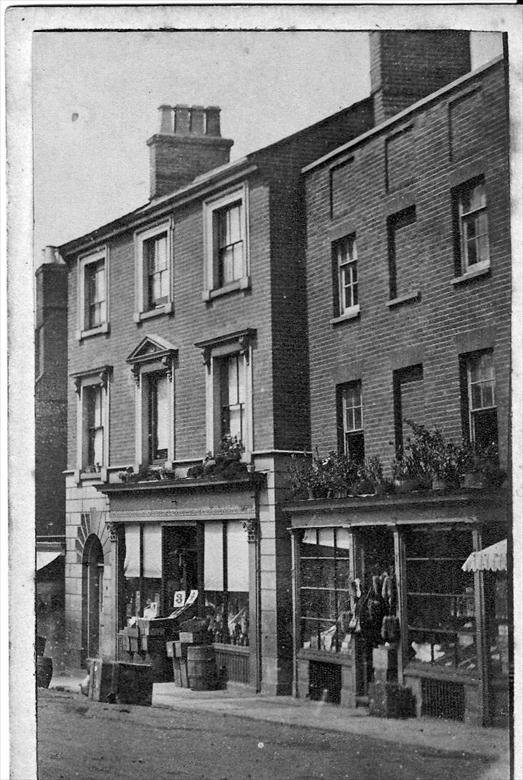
{"x":44,"y":671}
{"x":40,"y":645}
{"x":201,"y":668}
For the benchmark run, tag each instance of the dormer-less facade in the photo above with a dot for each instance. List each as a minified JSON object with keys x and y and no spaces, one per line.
{"x":409,"y":305}
{"x":187,"y":328}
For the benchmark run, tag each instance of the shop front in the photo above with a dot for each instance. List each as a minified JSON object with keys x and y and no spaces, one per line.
{"x":381,"y":593}
{"x":187,"y":550}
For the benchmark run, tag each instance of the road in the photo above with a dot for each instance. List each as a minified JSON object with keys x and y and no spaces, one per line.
{"x":79,"y":738}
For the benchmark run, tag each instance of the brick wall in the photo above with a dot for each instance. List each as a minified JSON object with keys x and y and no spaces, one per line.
{"x":50,"y":399}
{"x":448,"y":319}
{"x":274,"y":306}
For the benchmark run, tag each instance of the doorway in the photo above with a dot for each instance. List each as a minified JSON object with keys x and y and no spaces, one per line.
{"x":374,"y":562}
{"x":92,"y":592}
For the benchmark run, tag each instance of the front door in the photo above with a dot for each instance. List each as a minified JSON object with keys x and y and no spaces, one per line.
{"x":93,"y":596}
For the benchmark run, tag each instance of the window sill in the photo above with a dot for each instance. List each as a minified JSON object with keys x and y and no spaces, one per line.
{"x":86,"y":334}
{"x":407,"y":298}
{"x":473,"y":273}
{"x":239,"y":284}
{"x":351,"y":314}
{"x":166,"y":308}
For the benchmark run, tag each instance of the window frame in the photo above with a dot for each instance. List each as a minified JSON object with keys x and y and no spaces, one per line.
{"x":84,"y":381}
{"x":152,"y":356}
{"x":142,"y":239}
{"x":462,"y":266}
{"x":344,"y":432}
{"x":213,"y":286}
{"x":85,"y":264}
{"x":340,"y":309}
{"x":240,"y":343}
{"x":471,"y":413}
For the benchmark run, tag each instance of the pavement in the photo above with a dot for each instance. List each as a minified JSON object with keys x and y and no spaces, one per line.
{"x":239,"y":701}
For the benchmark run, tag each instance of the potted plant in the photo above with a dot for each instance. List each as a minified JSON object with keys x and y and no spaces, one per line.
{"x":403,"y":477}
{"x":480,"y":466}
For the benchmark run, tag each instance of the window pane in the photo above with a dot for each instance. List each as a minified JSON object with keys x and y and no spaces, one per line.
{"x":162,"y":424}
{"x":98,"y":445}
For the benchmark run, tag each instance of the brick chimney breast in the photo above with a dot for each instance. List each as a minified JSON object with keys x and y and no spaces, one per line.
{"x":406,"y":66}
{"x":188,"y":144}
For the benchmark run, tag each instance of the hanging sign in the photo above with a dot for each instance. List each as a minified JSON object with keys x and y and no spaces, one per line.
{"x":179,"y":598}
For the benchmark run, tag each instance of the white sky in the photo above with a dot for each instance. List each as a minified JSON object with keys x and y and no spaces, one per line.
{"x":94,"y":168}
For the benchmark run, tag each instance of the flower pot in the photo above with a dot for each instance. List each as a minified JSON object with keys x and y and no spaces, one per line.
{"x":406,"y":485}
{"x":473,"y":480}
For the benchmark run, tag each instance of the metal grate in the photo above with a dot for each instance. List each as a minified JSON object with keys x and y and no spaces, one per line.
{"x":443,"y":699}
{"x":235,"y":660}
{"x":324,"y":682}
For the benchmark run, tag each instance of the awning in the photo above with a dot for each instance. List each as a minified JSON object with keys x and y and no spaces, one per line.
{"x":45,"y":557}
{"x":493,"y":558}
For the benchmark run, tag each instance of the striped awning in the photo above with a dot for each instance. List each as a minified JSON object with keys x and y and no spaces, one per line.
{"x":493,"y":558}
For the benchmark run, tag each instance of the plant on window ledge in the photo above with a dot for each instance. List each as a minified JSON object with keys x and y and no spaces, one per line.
{"x":146,"y":474}
{"x":335,"y":476}
{"x":481,"y":466}
{"x":224,"y":464}
{"x":92,"y":468}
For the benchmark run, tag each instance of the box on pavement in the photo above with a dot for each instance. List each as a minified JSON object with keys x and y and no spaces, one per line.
{"x":194,"y":637}
{"x":135,"y":684}
{"x":101,"y":679}
{"x":389,"y":700}
{"x":183,"y":673}
{"x":385,"y":657}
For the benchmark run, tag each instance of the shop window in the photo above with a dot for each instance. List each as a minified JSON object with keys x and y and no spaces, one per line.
{"x":154,"y":273}
{"x":142,"y":570}
{"x":479,"y":400}
{"x":350,"y":412}
{"x":440,"y":600}
{"x":152,"y":365}
{"x":92,"y":294}
{"x":226,"y":245}
{"x":471,"y":227}
{"x":345,"y":261}
{"x":226,"y":581}
{"x":325,"y":592}
{"x":92,"y":389}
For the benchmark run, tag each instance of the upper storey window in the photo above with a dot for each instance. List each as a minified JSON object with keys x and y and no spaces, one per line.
{"x":346,"y":261}
{"x":229,"y":243}
{"x":92,"y":294}
{"x":472,"y":226}
{"x":154,"y":286}
{"x":226,"y":244}
{"x":155,"y":250}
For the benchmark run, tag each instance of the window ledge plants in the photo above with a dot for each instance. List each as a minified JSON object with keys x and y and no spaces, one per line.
{"x":335,"y":476}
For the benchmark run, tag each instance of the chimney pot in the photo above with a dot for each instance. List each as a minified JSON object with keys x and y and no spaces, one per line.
{"x":197,"y":119}
{"x":213,"y":120}
{"x":50,"y":254}
{"x":166,"y":119}
{"x":181,"y":119}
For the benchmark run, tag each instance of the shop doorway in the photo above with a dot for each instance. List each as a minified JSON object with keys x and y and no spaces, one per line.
{"x":374,"y":563}
{"x":182,"y":565}
{"x":92,"y":592}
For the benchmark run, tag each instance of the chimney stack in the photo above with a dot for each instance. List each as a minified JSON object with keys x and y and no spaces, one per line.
{"x":406,"y":66}
{"x":188,"y":144}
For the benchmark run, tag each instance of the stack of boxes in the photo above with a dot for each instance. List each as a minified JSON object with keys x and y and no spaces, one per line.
{"x":144,"y":643}
{"x":387,"y":699}
{"x":178,"y":651}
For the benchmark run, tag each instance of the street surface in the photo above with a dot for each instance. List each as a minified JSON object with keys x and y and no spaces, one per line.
{"x":79,"y":738}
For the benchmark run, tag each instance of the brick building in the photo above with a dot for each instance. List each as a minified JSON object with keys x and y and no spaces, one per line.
{"x":50,"y":449}
{"x":409,"y":284}
{"x":195,"y":318}
{"x":187,"y":323}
